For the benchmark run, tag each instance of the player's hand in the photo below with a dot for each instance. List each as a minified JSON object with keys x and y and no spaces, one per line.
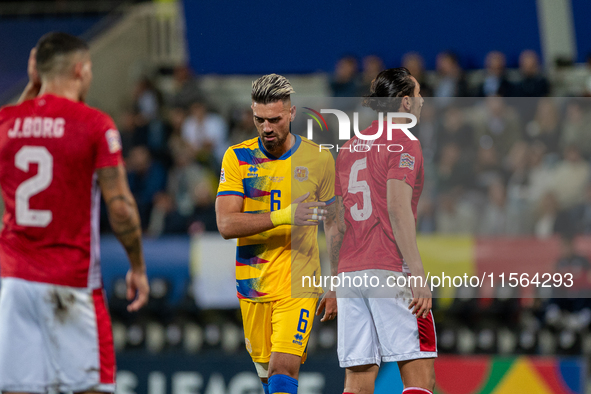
{"x":422,"y":301}
{"x":32,"y":68}
{"x":138,"y":289}
{"x":328,"y":303}
{"x":307,"y":213}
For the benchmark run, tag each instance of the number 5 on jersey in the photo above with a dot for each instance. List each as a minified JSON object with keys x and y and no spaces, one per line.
{"x":362,"y":187}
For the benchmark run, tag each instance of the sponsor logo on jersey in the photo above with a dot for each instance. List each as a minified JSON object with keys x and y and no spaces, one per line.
{"x":248,"y":345}
{"x":301,"y":173}
{"x":113,"y":140}
{"x":252,"y":172}
{"x":298,"y":339}
{"x":223,"y":176}
{"x":276,"y":179}
{"x":407,"y":161}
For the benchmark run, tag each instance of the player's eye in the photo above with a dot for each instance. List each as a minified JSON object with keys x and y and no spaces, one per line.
{"x":259,"y":120}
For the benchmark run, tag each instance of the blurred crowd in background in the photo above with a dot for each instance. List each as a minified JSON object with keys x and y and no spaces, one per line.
{"x":501,"y":156}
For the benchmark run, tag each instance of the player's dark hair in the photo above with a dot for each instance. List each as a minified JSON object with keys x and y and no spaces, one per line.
{"x":388,"y":89}
{"x":53,"y":45}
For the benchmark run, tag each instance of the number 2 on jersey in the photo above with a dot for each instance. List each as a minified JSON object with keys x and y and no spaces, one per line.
{"x":362,"y":187}
{"x":38,"y":155}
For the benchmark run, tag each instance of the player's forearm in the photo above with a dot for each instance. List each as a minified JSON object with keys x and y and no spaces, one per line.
{"x":127,"y":229}
{"x":404,"y":229}
{"x":334,"y":237}
{"x":237,"y":225}
{"x":334,"y":240}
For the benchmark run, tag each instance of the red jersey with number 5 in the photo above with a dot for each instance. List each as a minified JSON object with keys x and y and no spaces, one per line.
{"x":363,"y":169}
{"x":50,"y":149}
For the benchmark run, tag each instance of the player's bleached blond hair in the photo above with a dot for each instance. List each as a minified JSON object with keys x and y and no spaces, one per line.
{"x":270,"y":88}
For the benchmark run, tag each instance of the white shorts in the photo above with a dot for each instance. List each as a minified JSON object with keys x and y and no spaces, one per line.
{"x":54,"y":338}
{"x":375,"y":325}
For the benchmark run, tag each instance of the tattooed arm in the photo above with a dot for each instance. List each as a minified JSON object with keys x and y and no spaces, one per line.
{"x":125,"y":221}
{"x":334,"y":239}
{"x":334,"y":231}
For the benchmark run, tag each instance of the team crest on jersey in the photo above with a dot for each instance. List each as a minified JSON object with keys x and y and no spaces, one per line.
{"x":223,"y":176}
{"x":113,"y":140}
{"x":301,"y":173}
{"x":248,"y":345}
{"x":407,"y":161}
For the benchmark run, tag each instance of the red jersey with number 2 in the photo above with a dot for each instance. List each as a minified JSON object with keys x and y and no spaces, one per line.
{"x":363,"y":169}
{"x":50,"y":149}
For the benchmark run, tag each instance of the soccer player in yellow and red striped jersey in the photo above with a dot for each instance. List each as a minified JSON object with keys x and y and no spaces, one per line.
{"x":273,"y":192}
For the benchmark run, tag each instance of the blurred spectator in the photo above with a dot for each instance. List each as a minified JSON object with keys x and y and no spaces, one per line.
{"x":204,"y":218}
{"x":496,"y":125}
{"x":415,"y":64}
{"x":456,"y":130}
{"x":127,"y":127}
{"x":345,"y":82}
{"x":570,"y":178}
{"x":243,"y":128}
{"x":206,"y":132}
{"x":372,"y":66}
{"x":532,"y":83}
{"x":540,"y":173}
{"x":487,"y":169}
{"x":453,"y":175}
{"x":495,"y":81}
{"x":451,"y":81}
{"x":173,"y":209}
{"x":494,"y":216}
{"x":575,"y":297}
{"x":147,"y":100}
{"x":154,"y":136}
{"x":146,"y":178}
{"x":455,"y":215}
{"x":546,"y":216}
{"x":426,"y":215}
{"x":545,"y":125}
{"x":575,"y":130}
{"x":519,"y":212}
{"x":428,"y":132}
{"x":186,"y":88}
{"x":582,"y":213}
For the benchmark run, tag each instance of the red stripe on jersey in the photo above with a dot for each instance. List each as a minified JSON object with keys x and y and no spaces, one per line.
{"x":105,"y":338}
{"x":427,"y":340}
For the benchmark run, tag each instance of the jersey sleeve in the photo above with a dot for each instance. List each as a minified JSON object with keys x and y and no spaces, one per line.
{"x":109,"y":144}
{"x":230,"y":178}
{"x":405,"y":165}
{"x":327,"y":183}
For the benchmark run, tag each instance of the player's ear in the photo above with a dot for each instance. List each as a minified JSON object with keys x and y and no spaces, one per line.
{"x":292,"y":112}
{"x":78,"y":69}
{"x":406,"y":104}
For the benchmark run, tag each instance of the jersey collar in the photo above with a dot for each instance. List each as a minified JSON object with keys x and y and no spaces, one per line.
{"x":286,"y":155}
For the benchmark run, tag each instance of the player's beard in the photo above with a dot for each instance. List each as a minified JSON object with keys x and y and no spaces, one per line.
{"x":276,"y":145}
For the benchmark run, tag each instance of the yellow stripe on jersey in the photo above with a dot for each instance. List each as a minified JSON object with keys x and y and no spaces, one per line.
{"x":264,"y":261}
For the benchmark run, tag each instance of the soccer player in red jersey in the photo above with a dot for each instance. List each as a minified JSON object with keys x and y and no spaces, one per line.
{"x":378,"y":185}
{"x":56,"y":156}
